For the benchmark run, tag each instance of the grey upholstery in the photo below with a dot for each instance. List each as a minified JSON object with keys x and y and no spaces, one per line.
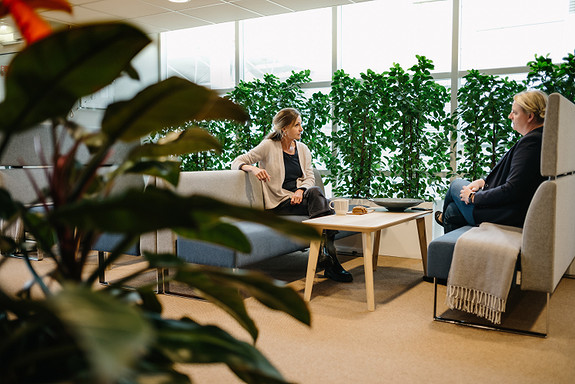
{"x":549,"y":233}
{"x":440,"y":253}
{"x":265,"y":243}
{"x":236,"y":187}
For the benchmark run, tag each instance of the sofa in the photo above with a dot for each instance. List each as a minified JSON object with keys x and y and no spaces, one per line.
{"x":548,"y":236}
{"x":236,"y":187}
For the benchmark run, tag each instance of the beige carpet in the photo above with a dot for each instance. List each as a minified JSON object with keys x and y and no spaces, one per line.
{"x":397,"y":343}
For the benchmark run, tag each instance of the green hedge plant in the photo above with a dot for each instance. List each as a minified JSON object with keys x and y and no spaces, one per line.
{"x":418,"y":133}
{"x":485,"y":132}
{"x":550,"y":77}
{"x":262,"y":99}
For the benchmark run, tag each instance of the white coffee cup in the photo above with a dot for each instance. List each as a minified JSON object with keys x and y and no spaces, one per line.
{"x":340,"y":206}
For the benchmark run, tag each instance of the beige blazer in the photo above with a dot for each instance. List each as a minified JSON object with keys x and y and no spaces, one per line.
{"x":269,"y":155}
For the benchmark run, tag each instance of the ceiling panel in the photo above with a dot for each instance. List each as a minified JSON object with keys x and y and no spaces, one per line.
{"x":221,"y":13}
{"x":170,"y":21}
{"x":262,"y":7}
{"x":125,"y":9}
{"x":155,"y":16}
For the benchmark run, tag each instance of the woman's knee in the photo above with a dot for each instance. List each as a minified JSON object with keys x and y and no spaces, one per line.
{"x":314,"y":192}
{"x":455,"y":188}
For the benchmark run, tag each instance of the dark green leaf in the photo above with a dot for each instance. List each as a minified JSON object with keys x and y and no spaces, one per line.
{"x":188,"y":342}
{"x":170,"y":102}
{"x":190,"y":140}
{"x":138,"y":212}
{"x":48,"y":77}
{"x":167,"y":170}
{"x":112,"y":334}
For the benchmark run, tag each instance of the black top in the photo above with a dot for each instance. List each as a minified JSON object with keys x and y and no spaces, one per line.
{"x":292,"y":171}
{"x":511,"y":184}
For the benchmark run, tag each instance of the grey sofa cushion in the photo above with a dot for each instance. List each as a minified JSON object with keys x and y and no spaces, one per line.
{"x":265,"y":242}
{"x":440,"y":253}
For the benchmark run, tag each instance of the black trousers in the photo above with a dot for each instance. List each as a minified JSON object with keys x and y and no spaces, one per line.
{"x":314,"y":204}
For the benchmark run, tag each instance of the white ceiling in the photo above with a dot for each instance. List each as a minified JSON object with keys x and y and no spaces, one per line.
{"x":154,"y":16}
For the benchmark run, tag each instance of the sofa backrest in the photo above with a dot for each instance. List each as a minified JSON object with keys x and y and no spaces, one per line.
{"x":236,"y":187}
{"x":549,"y":232}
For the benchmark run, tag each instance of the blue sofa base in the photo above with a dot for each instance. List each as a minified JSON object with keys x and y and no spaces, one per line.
{"x":266,"y":243}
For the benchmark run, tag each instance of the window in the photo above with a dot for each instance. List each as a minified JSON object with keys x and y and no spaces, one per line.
{"x":375,"y":35}
{"x":289,"y":42}
{"x":510,"y":33}
{"x":204,"y":55}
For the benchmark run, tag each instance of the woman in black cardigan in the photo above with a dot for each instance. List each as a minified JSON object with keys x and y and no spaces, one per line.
{"x":503,"y":197}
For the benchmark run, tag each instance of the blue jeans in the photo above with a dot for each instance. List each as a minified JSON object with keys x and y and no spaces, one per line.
{"x":456,"y":213}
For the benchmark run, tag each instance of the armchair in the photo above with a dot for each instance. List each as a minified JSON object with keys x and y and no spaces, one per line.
{"x":548,"y":237}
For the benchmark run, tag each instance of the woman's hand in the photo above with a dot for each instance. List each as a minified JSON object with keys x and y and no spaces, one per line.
{"x":476,"y":185}
{"x":464,"y":194}
{"x":470,"y":188}
{"x":297,"y":197}
{"x":260,"y":173}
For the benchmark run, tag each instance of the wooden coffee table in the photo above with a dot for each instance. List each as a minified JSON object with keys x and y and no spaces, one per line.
{"x":369,"y":225}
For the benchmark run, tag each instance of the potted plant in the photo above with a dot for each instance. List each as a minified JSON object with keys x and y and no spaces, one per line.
{"x":73,"y":332}
{"x":393,"y":133}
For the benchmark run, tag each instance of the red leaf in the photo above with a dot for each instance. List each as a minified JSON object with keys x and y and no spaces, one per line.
{"x":30,"y":24}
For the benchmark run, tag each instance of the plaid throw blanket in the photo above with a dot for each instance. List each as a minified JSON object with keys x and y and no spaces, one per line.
{"x":482,"y":270}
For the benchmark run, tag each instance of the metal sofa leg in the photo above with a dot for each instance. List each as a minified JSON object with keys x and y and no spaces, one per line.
{"x":162,"y":282}
{"x":102,"y":271}
{"x":489,"y":327}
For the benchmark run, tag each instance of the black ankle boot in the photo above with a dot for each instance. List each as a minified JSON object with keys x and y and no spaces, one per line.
{"x":334,"y":271}
{"x":329,"y":262}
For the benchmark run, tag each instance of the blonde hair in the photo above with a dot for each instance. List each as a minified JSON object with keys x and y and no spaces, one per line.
{"x":533,"y":101}
{"x":285,"y":118}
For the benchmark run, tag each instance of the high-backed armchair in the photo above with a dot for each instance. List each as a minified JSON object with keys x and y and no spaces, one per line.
{"x":548,"y":238}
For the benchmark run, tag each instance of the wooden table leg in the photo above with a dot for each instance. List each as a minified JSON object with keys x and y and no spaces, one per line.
{"x":311,"y":266}
{"x":376,"y":249}
{"x":368,"y":270}
{"x":422,"y":242}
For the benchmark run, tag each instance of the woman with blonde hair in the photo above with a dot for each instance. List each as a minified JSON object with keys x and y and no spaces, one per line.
{"x":285,"y":167}
{"x":503,"y":197}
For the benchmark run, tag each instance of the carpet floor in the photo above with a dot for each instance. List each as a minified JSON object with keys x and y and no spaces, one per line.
{"x":397,"y":343}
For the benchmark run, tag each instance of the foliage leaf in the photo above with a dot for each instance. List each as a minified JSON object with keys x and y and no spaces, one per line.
{"x":138,"y":212}
{"x":166,"y":170}
{"x":185,"y":341}
{"x":190,"y":140}
{"x":170,"y":102}
{"x":111,"y":333}
{"x":48,"y":77}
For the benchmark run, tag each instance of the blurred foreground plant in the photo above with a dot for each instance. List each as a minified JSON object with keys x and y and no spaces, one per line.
{"x":75,"y":333}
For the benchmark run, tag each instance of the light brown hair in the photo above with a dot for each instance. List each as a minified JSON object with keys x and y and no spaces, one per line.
{"x":285,"y":118}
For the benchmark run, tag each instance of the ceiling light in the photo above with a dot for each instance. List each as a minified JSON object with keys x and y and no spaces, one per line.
{"x":179,"y":1}
{"x":5,"y":29}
